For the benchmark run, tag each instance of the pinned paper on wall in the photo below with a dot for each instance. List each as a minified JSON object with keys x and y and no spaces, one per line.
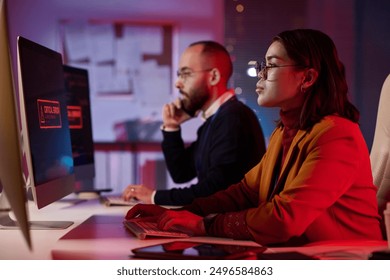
{"x":101,"y":39}
{"x":75,"y":41}
{"x":122,"y":58}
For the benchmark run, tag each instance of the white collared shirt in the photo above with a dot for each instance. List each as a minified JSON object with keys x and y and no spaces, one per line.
{"x":216,"y":104}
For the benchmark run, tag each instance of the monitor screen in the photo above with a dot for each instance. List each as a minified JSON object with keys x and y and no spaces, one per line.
{"x":45,"y":127}
{"x":80,"y":124}
{"x":12,"y":190}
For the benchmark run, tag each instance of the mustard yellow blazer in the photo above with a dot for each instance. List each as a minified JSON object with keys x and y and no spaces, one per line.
{"x":324,"y":190}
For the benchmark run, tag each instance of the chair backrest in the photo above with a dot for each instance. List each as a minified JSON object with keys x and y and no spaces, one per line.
{"x":380,"y":151}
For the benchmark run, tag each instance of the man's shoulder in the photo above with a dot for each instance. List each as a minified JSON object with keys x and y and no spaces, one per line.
{"x":237,"y":115}
{"x":233,"y":104}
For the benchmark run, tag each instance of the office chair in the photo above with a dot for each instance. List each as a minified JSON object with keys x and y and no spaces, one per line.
{"x":380,"y":151}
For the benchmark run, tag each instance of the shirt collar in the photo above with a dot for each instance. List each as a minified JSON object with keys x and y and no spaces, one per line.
{"x":216,"y":104}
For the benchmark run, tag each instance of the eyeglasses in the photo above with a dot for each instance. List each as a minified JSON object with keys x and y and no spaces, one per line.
{"x":262,"y":68}
{"x":184,"y":74}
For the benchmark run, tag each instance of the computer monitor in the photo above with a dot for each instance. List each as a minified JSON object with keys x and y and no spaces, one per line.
{"x":45,"y":129}
{"x":12,"y":191}
{"x":80,"y":124}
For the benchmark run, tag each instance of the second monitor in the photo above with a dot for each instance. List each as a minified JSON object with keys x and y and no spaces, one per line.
{"x":80,"y":124}
{"x":79,"y":116}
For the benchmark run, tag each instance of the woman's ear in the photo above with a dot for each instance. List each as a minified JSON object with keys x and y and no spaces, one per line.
{"x":310,"y":78}
{"x":215,"y":76}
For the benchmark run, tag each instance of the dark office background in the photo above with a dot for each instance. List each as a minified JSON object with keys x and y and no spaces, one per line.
{"x":359,"y":28}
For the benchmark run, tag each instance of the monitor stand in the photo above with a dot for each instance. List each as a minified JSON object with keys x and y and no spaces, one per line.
{"x":86,"y":188}
{"x":6,"y":222}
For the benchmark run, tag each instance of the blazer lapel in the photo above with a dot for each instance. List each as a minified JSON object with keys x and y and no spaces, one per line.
{"x":273,"y":152}
{"x":294,"y":146}
{"x":290,"y":159}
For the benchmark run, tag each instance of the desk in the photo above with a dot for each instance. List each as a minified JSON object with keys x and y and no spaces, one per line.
{"x":102,"y":236}
{"x":13,"y":246}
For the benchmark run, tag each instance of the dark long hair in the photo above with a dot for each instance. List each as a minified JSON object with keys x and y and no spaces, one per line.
{"x":329,"y":94}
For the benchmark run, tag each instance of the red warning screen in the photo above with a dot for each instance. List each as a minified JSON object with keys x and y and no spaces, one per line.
{"x":49,"y":114}
{"x":75,"y":117}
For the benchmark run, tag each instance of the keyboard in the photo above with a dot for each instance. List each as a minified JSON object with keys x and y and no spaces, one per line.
{"x":143,"y":230}
{"x":117,"y":200}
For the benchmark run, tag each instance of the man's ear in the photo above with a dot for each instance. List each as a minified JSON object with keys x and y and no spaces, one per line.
{"x":214,"y":76}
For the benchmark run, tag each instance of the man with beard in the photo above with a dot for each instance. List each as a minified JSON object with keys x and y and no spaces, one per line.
{"x":229,"y":143}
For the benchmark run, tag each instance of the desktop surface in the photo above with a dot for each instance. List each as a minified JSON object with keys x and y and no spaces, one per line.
{"x":98,"y":233}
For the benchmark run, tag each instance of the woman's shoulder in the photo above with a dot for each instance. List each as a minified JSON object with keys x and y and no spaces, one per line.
{"x":334,"y":121}
{"x":336,"y":126}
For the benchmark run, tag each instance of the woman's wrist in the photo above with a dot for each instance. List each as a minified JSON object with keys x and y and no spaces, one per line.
{"x":207,"y":222}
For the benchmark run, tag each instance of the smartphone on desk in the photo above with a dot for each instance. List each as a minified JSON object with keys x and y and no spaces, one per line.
{"x":184,"y":250}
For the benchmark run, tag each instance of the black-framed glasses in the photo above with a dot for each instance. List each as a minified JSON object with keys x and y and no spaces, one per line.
{"x":184,"y":74}
{"x":262,"y":68}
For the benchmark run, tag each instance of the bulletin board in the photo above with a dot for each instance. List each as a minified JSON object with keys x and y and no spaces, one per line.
{"x":124,"y":59}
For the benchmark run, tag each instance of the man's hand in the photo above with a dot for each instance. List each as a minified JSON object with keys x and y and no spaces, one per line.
{"x":139,"y":192}
{"x":173,"y":115}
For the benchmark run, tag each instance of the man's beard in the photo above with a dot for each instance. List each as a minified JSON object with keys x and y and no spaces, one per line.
{"x":194,"y":101}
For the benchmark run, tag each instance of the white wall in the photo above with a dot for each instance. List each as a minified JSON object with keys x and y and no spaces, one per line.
{"x":38,"y":21}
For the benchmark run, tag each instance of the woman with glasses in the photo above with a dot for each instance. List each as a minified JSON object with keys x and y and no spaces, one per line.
{"x":314,"y":183}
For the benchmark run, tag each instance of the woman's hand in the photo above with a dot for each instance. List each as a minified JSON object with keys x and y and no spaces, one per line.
{"x":183,"y":220}
{"x":150,"y":212}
